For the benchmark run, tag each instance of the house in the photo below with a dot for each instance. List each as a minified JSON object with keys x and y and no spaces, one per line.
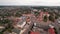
{"x":42,"y":14}
{"x":51,"y":30}
{"x":32,"y":32}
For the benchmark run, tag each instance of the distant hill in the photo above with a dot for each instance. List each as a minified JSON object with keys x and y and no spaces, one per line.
{"x":34,"y":7}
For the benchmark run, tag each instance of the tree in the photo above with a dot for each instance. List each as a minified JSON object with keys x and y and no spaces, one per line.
{"x":36,"y":13}
{"x":45,"y":18}
{"x":7,"y":14}
{"x":4,"y":21}
{"x":18,"y":14}
{"x":8,"y":28}
{"x":55,"y":30}
{"x":56,"y":17}
{"x":51,"y":18}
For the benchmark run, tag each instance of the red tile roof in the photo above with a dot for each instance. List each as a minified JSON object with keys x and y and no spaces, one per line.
{"x":51,"y":31}
{"x":34,"y":32}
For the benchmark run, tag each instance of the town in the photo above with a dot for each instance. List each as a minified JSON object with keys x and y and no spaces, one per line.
{"x":29,"y":20}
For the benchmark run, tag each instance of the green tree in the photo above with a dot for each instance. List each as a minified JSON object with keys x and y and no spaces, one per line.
{"x":51,"y":18}
{"x":8,"y":28}
{"x":45,"y":18}
{"x":18,"y":14}
{"x":7,"y":14}
{"x":56,"y":17}
{"x":36,"y":13}
{"x":4,"y":21}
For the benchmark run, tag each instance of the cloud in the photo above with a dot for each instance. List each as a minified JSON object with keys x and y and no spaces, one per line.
{"x":31,"y":2}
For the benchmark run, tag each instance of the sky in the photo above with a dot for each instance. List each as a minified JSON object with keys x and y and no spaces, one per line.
{"x":31,"y":2}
